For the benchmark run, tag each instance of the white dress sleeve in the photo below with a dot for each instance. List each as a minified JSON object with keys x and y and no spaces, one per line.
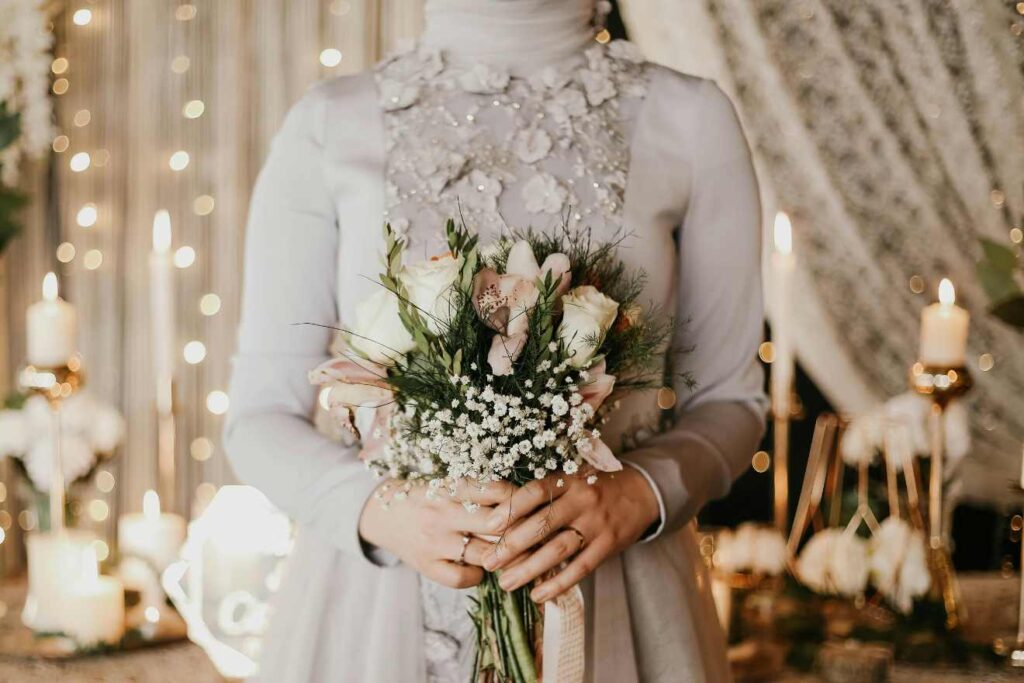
{"x":290,"y":278}
{"x":720,"y":315}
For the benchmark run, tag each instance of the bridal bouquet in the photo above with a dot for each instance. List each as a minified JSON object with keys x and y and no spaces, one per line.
{"x":492,"y":363}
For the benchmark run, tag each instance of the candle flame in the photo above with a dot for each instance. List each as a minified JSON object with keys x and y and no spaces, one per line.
{"x":783,"y":233}
{"x":50,"y":287}
{"x":947,"y":295}
{"x":151,"y":505}
{"x":162,"y":232}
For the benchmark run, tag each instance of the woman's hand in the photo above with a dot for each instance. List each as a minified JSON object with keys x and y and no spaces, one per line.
{"x":429,"y":534}
{"x":589,"y":521}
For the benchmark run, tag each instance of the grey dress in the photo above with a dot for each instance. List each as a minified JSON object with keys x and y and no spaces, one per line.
{"x":600,"y":137}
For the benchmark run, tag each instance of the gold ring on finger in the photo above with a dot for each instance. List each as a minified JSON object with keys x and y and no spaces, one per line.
{"x":465,"y":546}
{"x":579,"y":535}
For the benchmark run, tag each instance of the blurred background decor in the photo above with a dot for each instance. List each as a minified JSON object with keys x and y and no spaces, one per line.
{"x":890,"y":134}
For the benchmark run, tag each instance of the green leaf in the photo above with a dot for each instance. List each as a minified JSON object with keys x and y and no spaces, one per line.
{"x":1011,"y":311}
{"x":10,"y":126}
{"x":996,"y":271}
{"x":11,"y":202}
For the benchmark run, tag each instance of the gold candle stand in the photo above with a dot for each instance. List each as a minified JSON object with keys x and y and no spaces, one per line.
{"x":941,"y":385}
{"x":55,"y":384}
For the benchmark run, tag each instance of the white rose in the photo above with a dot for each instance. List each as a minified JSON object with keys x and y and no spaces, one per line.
{"x":587,"y":316}
{"x":429,"y":287}
{"x":378,"y":332}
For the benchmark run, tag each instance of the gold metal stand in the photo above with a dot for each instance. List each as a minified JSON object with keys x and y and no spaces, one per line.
{"x":55,"y":385}
{"x":941,"y":385}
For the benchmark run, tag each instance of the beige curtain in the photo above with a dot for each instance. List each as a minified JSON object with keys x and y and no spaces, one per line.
{"x":133,"y":68}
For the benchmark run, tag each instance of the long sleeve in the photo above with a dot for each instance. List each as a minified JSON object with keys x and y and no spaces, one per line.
{"x":290,"y":277}
{"x":719,"y":422}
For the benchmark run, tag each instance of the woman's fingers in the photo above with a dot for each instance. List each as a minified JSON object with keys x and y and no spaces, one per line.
{"x":531,"y":531}
{"x":579,"y":568}
{"x":525,"y":500}
{"x":476,"y":549}
{"x":559,"y":549}
{"x":491,"y":493}
{"x":454,"y":516}
{"x":452,"y":574}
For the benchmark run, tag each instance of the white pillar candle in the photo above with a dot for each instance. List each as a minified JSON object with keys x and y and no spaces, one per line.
{"x":54,"y":559}
{"x":783,"y":269}
{"x":52,"y":328}
{"x":153,"y":535}
{"x":944,"y":330}
{"x":93,"y":609}
{"x":722,"y":594}
{"x":161,"y":271}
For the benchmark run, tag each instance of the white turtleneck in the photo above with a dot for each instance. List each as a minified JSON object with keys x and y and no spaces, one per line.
{"x":518,"y":35}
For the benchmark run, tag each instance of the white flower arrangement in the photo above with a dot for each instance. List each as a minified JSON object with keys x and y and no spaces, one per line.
{"x":24,"y":82}
{"x":751,"y":548}
{"x":904,"y":420}
{"x":894,"y":561}
{"x":90,"y":428}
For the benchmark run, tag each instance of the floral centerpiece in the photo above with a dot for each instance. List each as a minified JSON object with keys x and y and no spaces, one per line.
{"x":495,"y":363}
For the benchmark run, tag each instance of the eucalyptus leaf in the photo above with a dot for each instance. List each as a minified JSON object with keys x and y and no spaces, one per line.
{"x":11,"y":202}
{"x":996,"y":271}
{"x":1011,"y":311}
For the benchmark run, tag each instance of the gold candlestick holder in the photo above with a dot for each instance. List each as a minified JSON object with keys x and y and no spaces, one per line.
{"x":55,"y":384}
{"x":940,"y":384}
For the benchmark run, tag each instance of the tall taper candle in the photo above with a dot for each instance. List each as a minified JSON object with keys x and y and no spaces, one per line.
{"x":52,"y":328}
{"x":164,"y":338}
{"x":161,"y":270}
{"x":783,"y":269}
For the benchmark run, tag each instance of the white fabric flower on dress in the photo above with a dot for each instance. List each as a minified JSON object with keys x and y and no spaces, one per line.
{"x":625,"y":50}
{"x":551,"y":79}
{"x":598,"y":86}
{"x":834,"y":562}
{"x":532,"y":145}
{"x":899,"y":565}
{"x":395,"y":95}
{"x":567,"y":104}
{"x":479,"y":191}
{"x":483,"y":79}
{"x":544,"y":194}
{"x":439,"y":166}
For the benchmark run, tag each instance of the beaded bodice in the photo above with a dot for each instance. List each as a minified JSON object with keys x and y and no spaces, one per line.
{"x":507,"y":151}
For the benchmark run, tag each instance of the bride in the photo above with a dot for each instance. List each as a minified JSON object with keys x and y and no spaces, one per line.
{"x":510,"y":112}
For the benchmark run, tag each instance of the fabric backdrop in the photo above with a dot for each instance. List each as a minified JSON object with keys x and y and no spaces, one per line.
{"x":892,"y":131}
{"x":247,"y":61}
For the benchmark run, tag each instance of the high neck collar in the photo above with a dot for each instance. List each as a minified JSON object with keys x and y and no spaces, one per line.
{"x":521,"y":36}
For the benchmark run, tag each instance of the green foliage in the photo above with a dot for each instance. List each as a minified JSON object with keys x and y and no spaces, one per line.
{"x":14,"y":401}
{"x":11,"y":201}
{"x":1000,"y":271}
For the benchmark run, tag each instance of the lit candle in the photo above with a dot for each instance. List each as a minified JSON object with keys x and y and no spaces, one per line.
{"x":944,"y":330}
{"x":783,"y":269}
{"x":93,"y":609}
{"x":54,"y":559}
{"x":52,"y":327}
{"x":161,"y":269}
{"x":153,"y":535}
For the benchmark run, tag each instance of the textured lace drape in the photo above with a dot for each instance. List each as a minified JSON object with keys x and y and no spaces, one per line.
{"x":893,"y":131}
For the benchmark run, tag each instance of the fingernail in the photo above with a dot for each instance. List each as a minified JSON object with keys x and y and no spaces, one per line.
{"x":490,"y":562}
{"x":540,"y":594}
{"x":508,"y":582}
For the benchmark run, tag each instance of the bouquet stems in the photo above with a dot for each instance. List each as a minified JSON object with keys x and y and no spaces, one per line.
{"x":506,"y":623}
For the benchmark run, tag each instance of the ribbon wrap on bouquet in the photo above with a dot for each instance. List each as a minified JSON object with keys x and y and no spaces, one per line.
{"x":564,"y":646}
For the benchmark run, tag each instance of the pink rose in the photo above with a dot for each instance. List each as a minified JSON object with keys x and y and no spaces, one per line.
{"x":600,"y":456}
{"x":504,"y":352}
{"x":599,"y":387}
